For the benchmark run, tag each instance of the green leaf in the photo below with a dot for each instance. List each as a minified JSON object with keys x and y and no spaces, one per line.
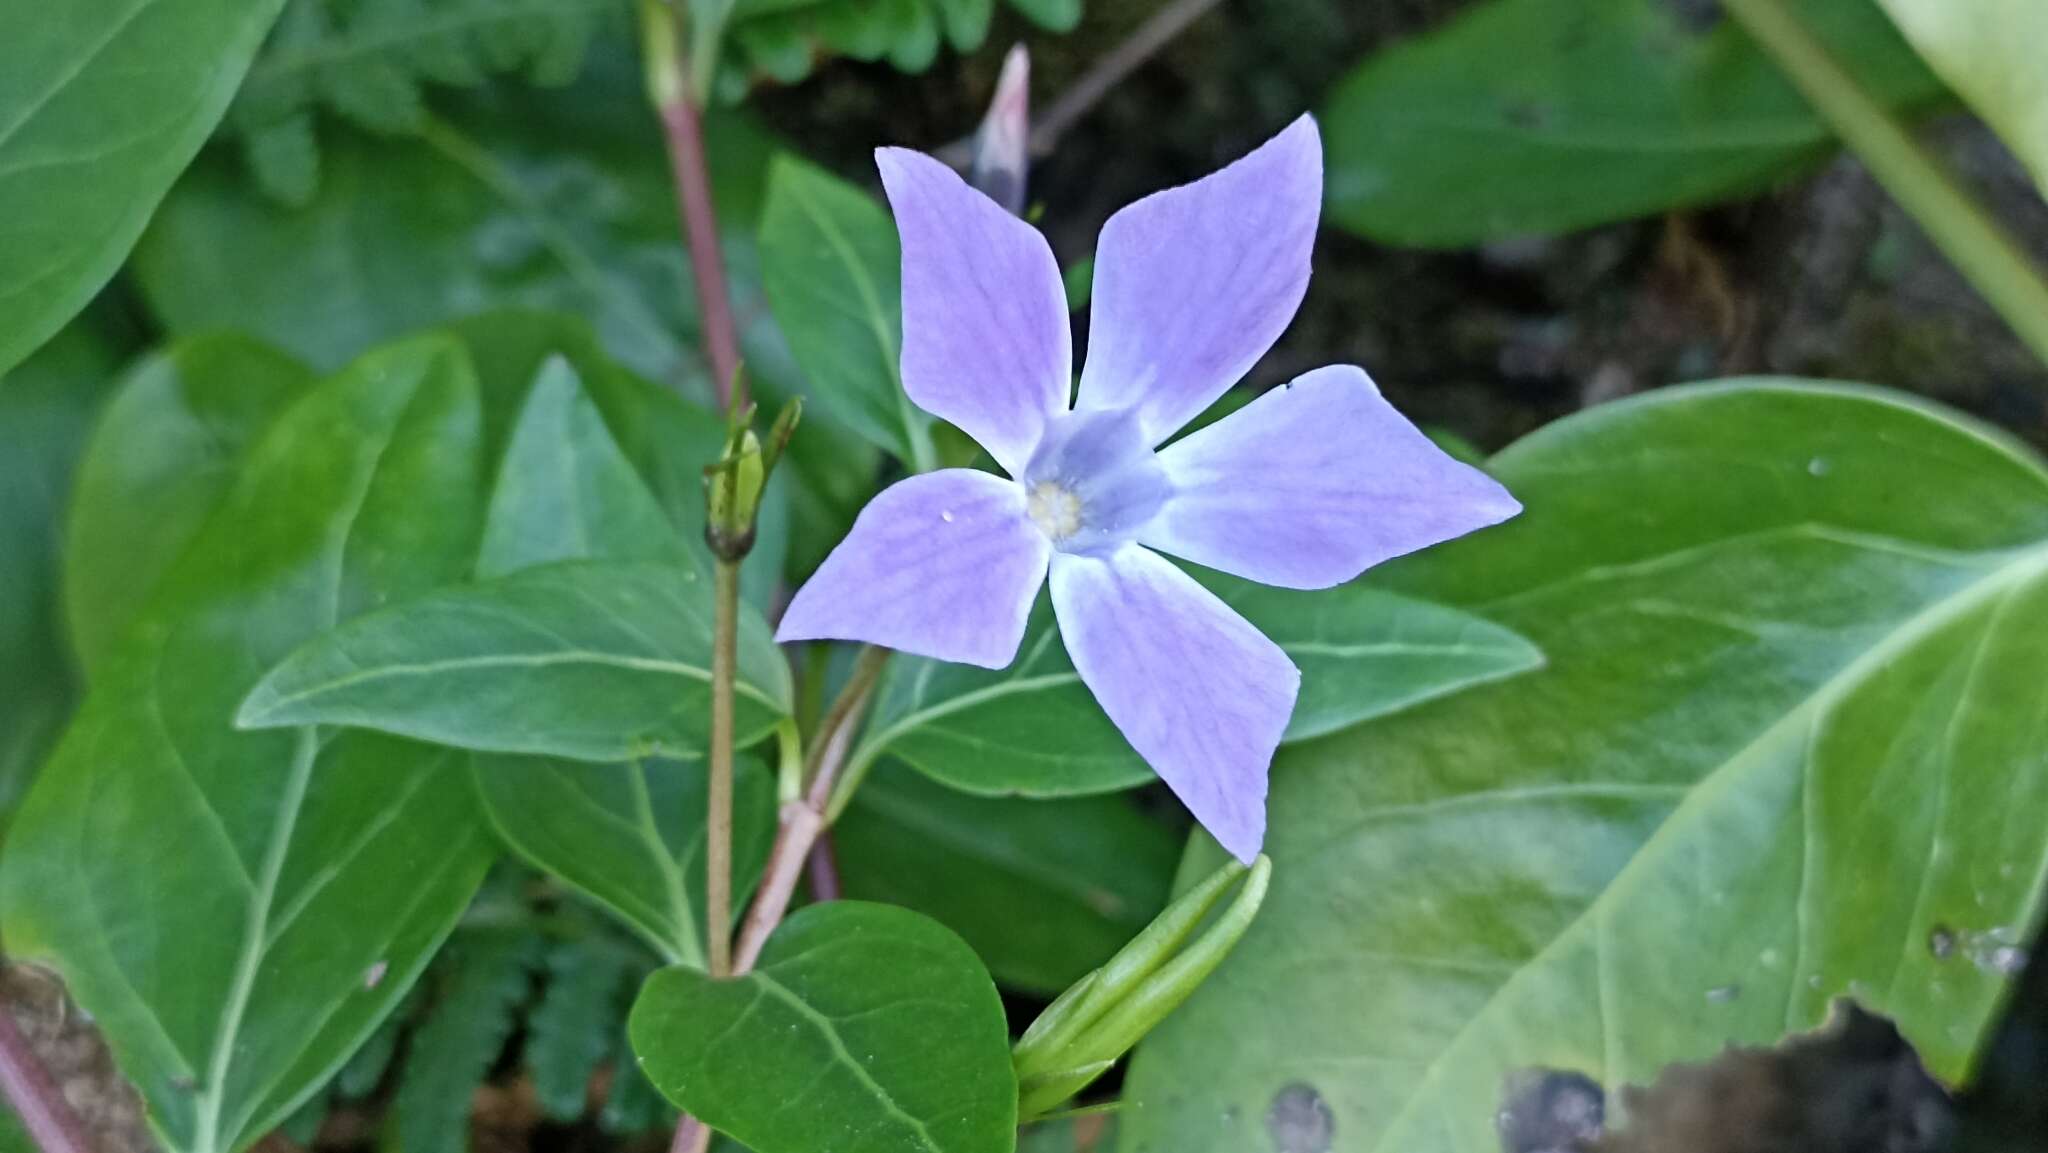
{"x":830,"y":266}
{"x":1990,"y":52}
{"x":1034,"y":728}
{"x":1791,"y":717}
{"x":485,"y":978}
{"x":566,"y":492}
{"x":1522,"y":116}
{"x":863,"y":1028}
{"x":629,"y":836}
{"x":573,"y":1027}
{"x":1043,"y":890}
{"x":595,"y":661}
{"x":300,"y":881}
{"x":666,"y":440}
{"x":46,"y":409}
{"x":158,"y":464}
{"x":102,"y":104}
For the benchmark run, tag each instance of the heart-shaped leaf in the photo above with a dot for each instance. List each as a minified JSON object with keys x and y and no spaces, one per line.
{"x":1043,"y":890}
{"x":104,"y":102}
{"x":595,"y":661}
{"x":863,"y":1029}
{"x":1990,"y":51}
{"x":1521,"y":116}
{"x":1787,"y":747}
{"x":159,"y":462}
{"x":239,"y":910}
{"x":1034,"y":728}
{"x":831,"y":267}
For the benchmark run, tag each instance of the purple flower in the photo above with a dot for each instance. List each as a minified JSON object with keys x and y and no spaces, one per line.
{"x":1305,"y":487}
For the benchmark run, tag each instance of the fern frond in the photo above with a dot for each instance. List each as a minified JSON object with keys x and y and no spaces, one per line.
{"x":572,"y":1029}
{"x":781,"y":41}
{"x":371,"y":61}
{"x":485,"y":977}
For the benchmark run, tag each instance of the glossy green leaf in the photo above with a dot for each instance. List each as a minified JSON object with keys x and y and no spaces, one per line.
{"x":830,"y":266}
{"x":1790,"y":720}
{"x":1522,"y":116}
{"x":595,"y":661}
{"x":566,"y":492}
{"x":863,"y":1029}
{"x":239,"y":910}
{"x":158,"y":464}
{"x":629,"y":836}
{"x":102,"y":104}
{"x":1043,"y":890}
{"x":1033,"y":728}
{"x":1990,"y":52}
{"x":666,"y":439}
{"x":47,"y":405}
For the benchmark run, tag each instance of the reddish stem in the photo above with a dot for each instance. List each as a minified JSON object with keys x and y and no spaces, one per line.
{"x":36,"y":1099}
{"x":685,"y":133}
{"x":824,"y":870}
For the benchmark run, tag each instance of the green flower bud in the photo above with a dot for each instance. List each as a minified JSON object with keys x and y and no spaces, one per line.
{"x":1080,"y":1035}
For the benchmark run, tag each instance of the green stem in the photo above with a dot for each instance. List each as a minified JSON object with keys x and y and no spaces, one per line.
{"x":1979,"y":248}
{"x":718,"y":831}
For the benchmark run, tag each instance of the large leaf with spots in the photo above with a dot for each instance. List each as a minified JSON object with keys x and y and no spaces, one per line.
{"x":1789,"y":731}
{"x":102,"y":104}
{"x":1522,"y":116}
{"x":1033,"y":728}
{"x":239,"y":910}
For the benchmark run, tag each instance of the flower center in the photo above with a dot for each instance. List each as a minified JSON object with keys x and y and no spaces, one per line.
{"x":1093,"y":481}
{"x":1055,"y":511}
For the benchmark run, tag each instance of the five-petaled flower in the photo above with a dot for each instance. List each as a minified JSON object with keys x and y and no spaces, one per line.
{"x":1305,"y":487}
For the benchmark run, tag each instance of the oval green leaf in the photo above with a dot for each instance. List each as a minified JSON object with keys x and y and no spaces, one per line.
{"x":1521,"y":116}
{"x":594,"y":661}
{"x":298,"y":884}
{"x":102,"y":104}
{"x":863,"y":1029}
{"x":1791,"y":718}
{"x":1034,"y":729}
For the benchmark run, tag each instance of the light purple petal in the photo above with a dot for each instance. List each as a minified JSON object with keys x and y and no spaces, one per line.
{"x":944,"y":565}
{"x":1201,"y":694}
{"x":1315,"y":482}
{"x":1194,"y":284}
{"x":986,"y":343}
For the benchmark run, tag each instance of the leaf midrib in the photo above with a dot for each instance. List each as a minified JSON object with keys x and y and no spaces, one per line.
{"x":269,"y":710}
{"x":2018,"y":569}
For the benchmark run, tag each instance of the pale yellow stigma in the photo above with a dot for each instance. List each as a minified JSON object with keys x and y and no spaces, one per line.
{"x":1055,"y":511}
